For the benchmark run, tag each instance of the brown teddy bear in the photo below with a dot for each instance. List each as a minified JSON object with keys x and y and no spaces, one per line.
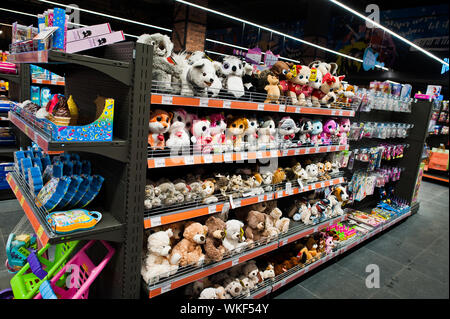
{"x":189,"y":249}
{"x":273,"y":89}
{"x":216,"y":232}
{"x":256,"y":224}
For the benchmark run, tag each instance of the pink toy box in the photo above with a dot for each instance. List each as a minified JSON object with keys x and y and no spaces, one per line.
{"x":87,"y":32}
{"x":93,"y":42}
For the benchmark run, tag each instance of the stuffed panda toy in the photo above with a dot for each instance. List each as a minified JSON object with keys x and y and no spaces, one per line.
{"x":232,"y":71}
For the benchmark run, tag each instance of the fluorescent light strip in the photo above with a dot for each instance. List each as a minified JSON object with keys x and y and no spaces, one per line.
{"x":388,"y":31}
{"x":107,"y":15}
{"x":5,"y":24}
{"x":18,"y":12}
{"x":214,"y":52}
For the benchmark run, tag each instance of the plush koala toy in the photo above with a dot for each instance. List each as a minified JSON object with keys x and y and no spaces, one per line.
{"x":232,"y":70}
{"x":162,"y":70}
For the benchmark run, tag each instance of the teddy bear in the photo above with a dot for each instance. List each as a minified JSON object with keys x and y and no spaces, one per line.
{"x":255,"y":226}
{"x":152,"y":199}
{"x":208,"y":293}
{"x":208,"y":192}
{"x":222,"y":183}
{"x":251,"y":271}
{"x":273,"y":89}
{"x":267,"y":134}
{"x":179,"y":138}
{"x":251,"y":134}
{"x":286,"y":132}
{"x":281,"y":69}
{"x":315,"y":82}
{"x":235,"y":186}
{"x":201,"y":136}
{"x":236,"y":127}
{"x":214,"y":248}
{"x":158,"y":125}
{"x":267,"y":178}
{"x":221,"y":293}
{"x":194,"y":289}
{"x":162,"y":69}
{"x":233,"y":287}
{"x":316,"y":132}
{"x":312,"y":171}
{"x":157,"y":262}
{"x":217,"y":129}
{"x":168,"y":194}
{"x":189,"y":249}
{"x":281,"y":224}
{"x":234,"y":239}
{"x":344,"y":129}
{"x":198,"y":77}
{"x":247,"y":285}
{"x":305,"y":130}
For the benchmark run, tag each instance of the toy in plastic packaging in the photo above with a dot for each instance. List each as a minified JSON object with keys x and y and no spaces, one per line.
{"x":94,"y":189}
{"x":75,"y":182}
{"x":52,"y":193}
{"x":82,"y":189}
{"x":73,"y":220}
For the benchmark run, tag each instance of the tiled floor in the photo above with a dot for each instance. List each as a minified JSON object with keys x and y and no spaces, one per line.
{"x":413,"y":259}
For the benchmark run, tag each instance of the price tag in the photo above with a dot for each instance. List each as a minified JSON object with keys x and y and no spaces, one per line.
{"x":284,"y":242}
{"x":333,"y":112}
{"x":270,"y":196}
{"x":274,"y":153}
{"x":322,"y":184}
{"x":259,"y":154}
{"x":165,"y":288}
{"x":297,"y":151}
{"x":234,"y":261}
{"x":155,"y":221}
{"x":244,"y":156}
{"x":285,"y":152}
{"x":279,"y":194}
{"x":160,"y":162}
{"x":226,"y":104}
{"x":261,"y":198}
{"x":328,"y":148}
{"x":167,"y":99}
{"x":212,"y":209}
{"x":208,"y":158}
{"x":260,"y":107}
{"x":225,"y":208}
{"x":282,"y":108}
{"x":307,"y":150}
{"x":237,"y":204}
{"x":317,"y":150}
{"x":189,"y":160}
{"x":204,"y":102}
{"x":289,"y":188}
{"x":297,"y":110}
{"x":231,"y":202}
{"x":228,"y":157}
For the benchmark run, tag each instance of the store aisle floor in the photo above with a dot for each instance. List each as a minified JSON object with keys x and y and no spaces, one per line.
{"x":413,"y":259}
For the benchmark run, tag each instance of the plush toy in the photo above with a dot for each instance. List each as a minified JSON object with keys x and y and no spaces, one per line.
{"x":152,"y":199}
{"x":232,"y":70}
{"x":286,"y":132}
{"x":348,"y":93}
{"x":217,"y":129}
{"x":312,"y":246}
{"x":251,"y":134}
{"x":208,"y":189}
{"x":329,"y":131}
{"x":168,"y":194}
{"x":189,"y":249}
{"x":248,"y":78}
{"x":236,"y":186}
{"x":246,"y":284}
{"x":222,"y":183}
{"x":201,"y":136}
{"x":282,"y":224}
{"x":221,"y":293}
{"x":258,"y":184}
{"x":255,"y":226}
{"x":268,"y":272}
{"x":281,"y":69}
{"x":233,"y":287}
{"x":235,"y":133}
{"x":273,"y":89}
{"x":321,"y":171}
{"x":234,"y":239}
{"x":214,"y":248}
{"x":162,"y":69}
{"x":328,"y":167}
{"x":267,"y":178}
{"x":316,"y":132}
{"x":315,"y":82}
{"x":196,"y":79}
{"x":344,"y":129}
{"x":324,"y":67}
{"x":158,"y":125}
{"x":305,"y":213}
{"x":208,"y":293}
{"x":266,"y":134}
{"x":298,"y":85}
{"x":333,"y":205}
{"x":305,"y":129}
{"x":157,"y":263}
{"x":312,"y":172}
{"x":330,"y":85}
{"x":251,"y":271}
{"x":279,"y":176}
{"x":179,"y":139}
{"x":341,"y":195}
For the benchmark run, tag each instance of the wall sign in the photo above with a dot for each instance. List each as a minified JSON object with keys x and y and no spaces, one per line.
{"x":370,"y":60}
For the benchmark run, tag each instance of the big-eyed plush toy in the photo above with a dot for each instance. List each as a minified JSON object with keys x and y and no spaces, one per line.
{"x":217,"y":128}
{"x":159,"y":124}
{"x":201,"y":136}
{"x":236,"y":128}
{"x":179,"y":139}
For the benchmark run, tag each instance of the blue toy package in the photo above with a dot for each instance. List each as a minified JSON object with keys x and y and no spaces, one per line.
{"x":82,"y":189}
{"x":77,"y":167}
{"x":86,"y":167}
{"x":18,"y":156}
{"x":59,"y":20}
{"x":67,"y":168}
{"x":71,"y":191}
{"x":45,"y":162}
{"x":52,"y":193}
{"x":35,"y":180}
{"x":36,"y":95}
{"x":26,"y":164}
{"x":94,"y":189}
{"x":37,"y":163}
{"x":45,"y":96}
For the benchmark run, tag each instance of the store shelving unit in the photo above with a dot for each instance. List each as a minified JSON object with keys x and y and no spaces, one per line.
{"x":123,"y":72}
{"x":47,"y":82}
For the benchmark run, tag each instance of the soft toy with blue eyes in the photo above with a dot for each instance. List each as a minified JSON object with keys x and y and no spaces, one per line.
{"x":316,"y":131}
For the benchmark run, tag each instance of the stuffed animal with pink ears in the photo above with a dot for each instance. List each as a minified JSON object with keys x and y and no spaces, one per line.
{"x":329,"y":130}
{"x":217,"y":128}
{"x":201,"y":135}
{"x":344,"y":129}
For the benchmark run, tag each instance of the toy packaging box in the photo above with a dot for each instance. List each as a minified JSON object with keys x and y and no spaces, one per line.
{"x":94,"y":42}
{"x":87,"y":32}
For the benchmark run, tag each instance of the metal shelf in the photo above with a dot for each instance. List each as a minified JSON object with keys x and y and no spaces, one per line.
{"x":195,"y":273}
{"x":10,"y":77}
{"x":160,"y":216}
{"x":116,"y":149}
{"x":177,"y":100}
{"x":108,"y":228}
{"x":155,"y":161}
{"x":115,"y":69}
{"x":48,"y":82}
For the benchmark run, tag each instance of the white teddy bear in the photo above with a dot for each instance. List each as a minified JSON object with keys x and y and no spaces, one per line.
{"x":156,"y":264}
{"x":234,"y":239}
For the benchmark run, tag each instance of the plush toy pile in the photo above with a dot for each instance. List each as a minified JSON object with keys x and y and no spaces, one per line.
{"x":208,"y":188}
{"x":179,"y":131}
{"x":316,"y":84}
